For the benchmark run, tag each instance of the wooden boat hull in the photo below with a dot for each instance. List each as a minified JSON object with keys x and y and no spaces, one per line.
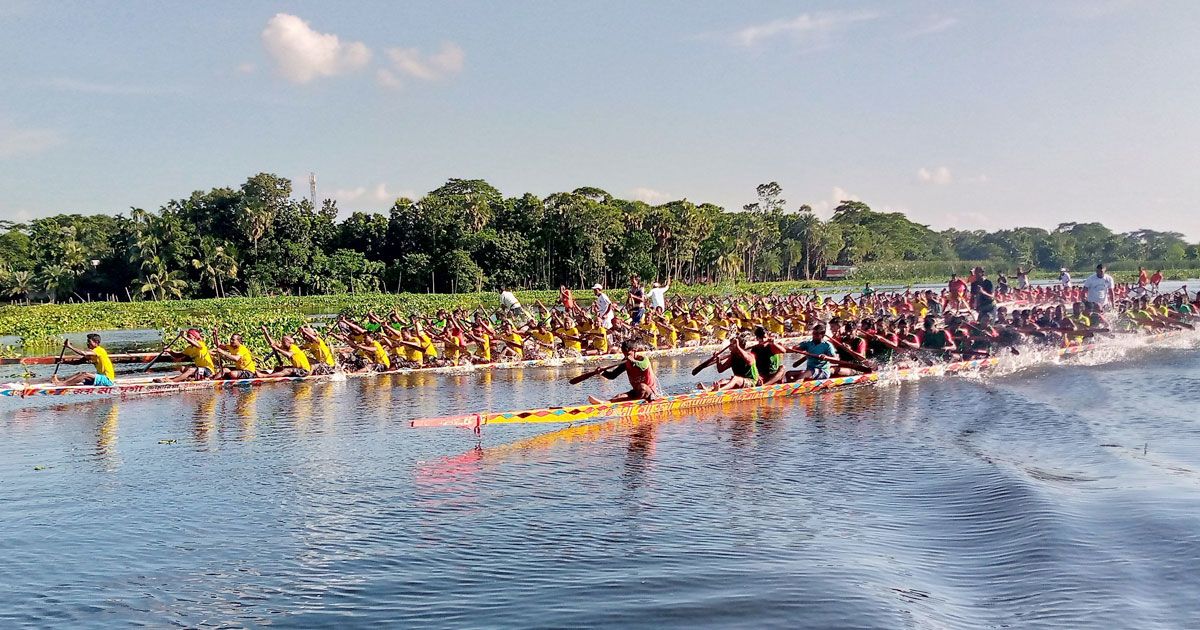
{"x":706,"y":399}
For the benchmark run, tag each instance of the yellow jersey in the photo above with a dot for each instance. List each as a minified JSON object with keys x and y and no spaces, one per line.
{"x":380,"y":355}
{"x":571,"y":344}
{"x":299,"y":359}
{"x":320,"y":351}
{"x":245,"y":360}
{"x":200,"y":356}
{"x":428,"y":348}
{"x":103,"y":364}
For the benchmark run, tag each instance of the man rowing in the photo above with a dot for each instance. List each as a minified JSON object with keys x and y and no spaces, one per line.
{"x":321,"y":357}
{"x":244,"y":365}
{"x":202,"y":366}
{"x":287,"y":349}
{"x":104,"y":376}
{"x":643,"y":384}
{"x":741,"y":362}
{"x":768,"y":357}
{"x":819,"y":351}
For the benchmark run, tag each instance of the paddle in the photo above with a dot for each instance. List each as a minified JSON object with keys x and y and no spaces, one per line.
{"x":164,"y":351}
{"x":589,"y":374}
{"x":853,"y":366}
{"x":710,"y":360}
{"x":58,"y":363}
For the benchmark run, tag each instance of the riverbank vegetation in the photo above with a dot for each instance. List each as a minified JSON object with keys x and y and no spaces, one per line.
{"x":257,"y":240}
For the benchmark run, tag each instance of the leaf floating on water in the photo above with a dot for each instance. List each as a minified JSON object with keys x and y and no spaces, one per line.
{"x":39,"y":467}
{"x":168,"y":441}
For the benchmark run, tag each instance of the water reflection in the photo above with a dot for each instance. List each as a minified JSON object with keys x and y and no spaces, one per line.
{"x":246,"y":408}
{"x":204,"y":420}
{"x":106,"y":439}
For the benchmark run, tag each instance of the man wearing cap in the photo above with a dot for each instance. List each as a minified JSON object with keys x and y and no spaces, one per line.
{"x":603,"y":307}
{"x":658,"y":295}
{"x":202,"y":367}
{"x":1099,"y":288}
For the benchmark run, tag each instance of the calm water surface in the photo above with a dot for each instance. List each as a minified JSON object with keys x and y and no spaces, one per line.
{"x":1048,"y":496}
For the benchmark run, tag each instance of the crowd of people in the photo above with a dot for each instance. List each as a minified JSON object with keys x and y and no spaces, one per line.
{"x":970,"y":317}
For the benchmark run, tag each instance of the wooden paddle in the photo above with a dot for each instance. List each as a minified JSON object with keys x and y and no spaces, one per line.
{"x":589,"y":374}
{"x":58,"y":363}
{"x":162,"y":352}
{"x":853,"y":366}
{"x":710,"y":360}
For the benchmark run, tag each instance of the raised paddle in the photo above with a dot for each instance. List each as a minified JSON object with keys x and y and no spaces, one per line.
{"x":589,"y":374}
{"x":58,"y":363}
{"x":710,"y":360}
{"x":162,"y":352}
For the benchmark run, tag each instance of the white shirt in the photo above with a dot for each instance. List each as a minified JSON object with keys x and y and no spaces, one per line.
{"x":508,"y":300}
{"x":603,"y":309}
{"x":1097,"y":288}
{"x":1065,"y":279}
{"x":658,"y":297}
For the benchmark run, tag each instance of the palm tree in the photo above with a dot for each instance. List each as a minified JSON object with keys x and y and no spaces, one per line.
{"x":54,"y":279}
{"x":19,"y":284}
{"x":215,"y":264}
{"x":162,"y":285}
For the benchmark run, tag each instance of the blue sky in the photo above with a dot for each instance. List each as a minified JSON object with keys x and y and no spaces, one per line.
{"x":968,"y":115}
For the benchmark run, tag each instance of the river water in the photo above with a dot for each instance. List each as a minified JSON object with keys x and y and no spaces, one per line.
{"x":1064,"y":495}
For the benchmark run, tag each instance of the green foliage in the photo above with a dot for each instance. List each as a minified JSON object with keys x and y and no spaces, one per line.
{"x":465,"y":236}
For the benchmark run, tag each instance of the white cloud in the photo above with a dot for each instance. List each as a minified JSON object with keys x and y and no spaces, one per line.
{"x":807,"y":28}
{"x":935,"y":24}
{"x":649,"y":195}
{"x":17,"y":141}
{"x":409,"y":61}
{"x":939,"y":176}
{"x":388,"y":79}
{"x":824,"y":208}
{"x":302,"y":54}
{"x":362,"y":195}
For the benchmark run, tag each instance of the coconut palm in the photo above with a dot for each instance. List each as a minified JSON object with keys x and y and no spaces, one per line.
{"x":215,"y":265}
{"x":19,"y":284}
{"x":163,"y":285}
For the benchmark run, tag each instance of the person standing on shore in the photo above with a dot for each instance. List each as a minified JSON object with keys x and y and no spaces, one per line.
{"x":1099,"y":288}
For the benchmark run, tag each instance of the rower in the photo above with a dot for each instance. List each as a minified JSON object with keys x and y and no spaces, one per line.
{"x":322,"y":360}
{"x":741,"y":362}
{"x":643,"y":384}
{"x":819,"y":352}
{"x":202,"y":367}
{"x":243,"y":361}
{"x":288,"y":349}
{"x":104,"y":374}
{"x":768,"y":357}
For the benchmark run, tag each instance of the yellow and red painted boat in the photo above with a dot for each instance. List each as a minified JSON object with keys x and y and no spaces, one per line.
{"x":698,"y":399}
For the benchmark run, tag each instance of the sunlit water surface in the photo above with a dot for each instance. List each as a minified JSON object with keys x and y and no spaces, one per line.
{"x":1042,"y":496}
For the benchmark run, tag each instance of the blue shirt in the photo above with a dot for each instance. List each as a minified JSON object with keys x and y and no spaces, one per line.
{"x":812,"y":347}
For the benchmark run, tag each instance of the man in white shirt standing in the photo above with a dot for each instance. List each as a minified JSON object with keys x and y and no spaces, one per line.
{"x":604,"y":307}
{"x":658,"y":296}
{"x":510,"y":304}
{"x":1064,"y":278}
{"x":1099,"y":288}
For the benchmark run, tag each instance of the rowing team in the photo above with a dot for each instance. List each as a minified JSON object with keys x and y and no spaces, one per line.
{"x":863,"y":347}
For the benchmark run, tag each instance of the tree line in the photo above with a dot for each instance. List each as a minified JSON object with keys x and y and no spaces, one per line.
{"x":466,"y":236}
